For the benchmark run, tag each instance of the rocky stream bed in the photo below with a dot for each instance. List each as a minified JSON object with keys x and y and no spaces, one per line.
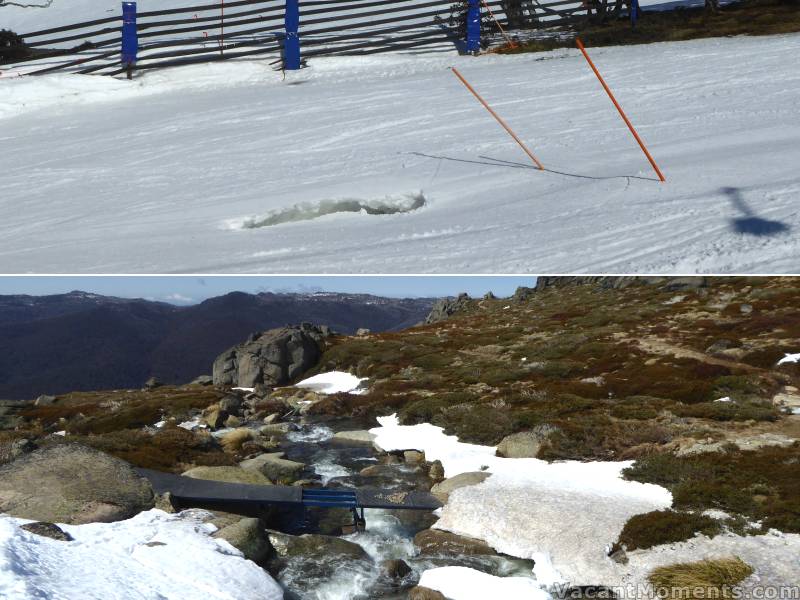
{"x":386,"y":559}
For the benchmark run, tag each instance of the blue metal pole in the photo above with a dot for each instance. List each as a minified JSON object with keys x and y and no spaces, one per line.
{"x":473,"y":26}
{"x":130,"y":40}
{"x":634,"y":12}
{"x":291,"y":45}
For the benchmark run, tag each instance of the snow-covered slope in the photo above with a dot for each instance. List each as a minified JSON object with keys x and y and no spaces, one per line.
{"x":153,"y":555}
{"x":173,"y":172}
{"x":565,"y":515}
{"x":562,"y":515}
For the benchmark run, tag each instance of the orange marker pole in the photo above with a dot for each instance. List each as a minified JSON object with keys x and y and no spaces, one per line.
{"x":619,"y":108}
{"x":497,"y":117}
{"x":511,"y":43}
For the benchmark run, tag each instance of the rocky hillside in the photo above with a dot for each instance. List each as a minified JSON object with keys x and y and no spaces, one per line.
{"x":80,"y":341}
{"x":694,"y":380}
{"x":596,"y":359}
{"x":685,"y":375}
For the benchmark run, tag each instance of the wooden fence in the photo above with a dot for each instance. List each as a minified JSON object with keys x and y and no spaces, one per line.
{"x":237,"y":29}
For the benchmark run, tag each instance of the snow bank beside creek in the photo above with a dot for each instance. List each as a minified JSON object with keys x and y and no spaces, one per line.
{"x":152,"y":555}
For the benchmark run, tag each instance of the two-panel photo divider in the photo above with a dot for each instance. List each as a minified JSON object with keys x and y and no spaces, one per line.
{"x":399,"y":300}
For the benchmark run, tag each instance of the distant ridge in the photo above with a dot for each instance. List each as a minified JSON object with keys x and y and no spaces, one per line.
{"x":82,"y":341}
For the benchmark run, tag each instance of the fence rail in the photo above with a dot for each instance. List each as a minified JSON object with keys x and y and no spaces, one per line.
{"x":250,"y":28}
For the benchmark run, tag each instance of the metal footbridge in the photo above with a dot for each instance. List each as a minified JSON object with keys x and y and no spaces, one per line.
{"x":189,"y":492}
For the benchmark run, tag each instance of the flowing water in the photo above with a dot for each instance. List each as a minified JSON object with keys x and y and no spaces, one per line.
{"x":389,"y":534}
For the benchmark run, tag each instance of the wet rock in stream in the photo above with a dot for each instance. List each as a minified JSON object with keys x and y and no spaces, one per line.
{"x":382,"y":562}
{"x":441,"y":543}
{"x":307,"y":563}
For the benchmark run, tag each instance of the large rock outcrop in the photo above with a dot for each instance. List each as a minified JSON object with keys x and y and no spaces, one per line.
{"x":73,"y":484}
{"x":525,"y":444}
{"x":446,"y":307}
{"x":275,"y":357}
{"x":443,"y":489}
{"x":249,"y":536}
{"x":228,"y":475}
{"x":436,"y":542}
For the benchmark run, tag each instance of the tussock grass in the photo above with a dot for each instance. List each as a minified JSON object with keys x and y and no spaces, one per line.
{"x":170,"y":449}
{"x":713,"y":578}
{"x":85,"y":413}
{"x":232,"y":441}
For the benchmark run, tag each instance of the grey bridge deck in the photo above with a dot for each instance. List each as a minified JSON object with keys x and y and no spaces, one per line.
{"x":188,"y":491}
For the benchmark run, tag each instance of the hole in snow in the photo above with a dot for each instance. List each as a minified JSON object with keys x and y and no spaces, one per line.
{"x":388,"y":205}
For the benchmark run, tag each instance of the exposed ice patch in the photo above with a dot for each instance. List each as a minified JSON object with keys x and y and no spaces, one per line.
{"x":306,"y":211}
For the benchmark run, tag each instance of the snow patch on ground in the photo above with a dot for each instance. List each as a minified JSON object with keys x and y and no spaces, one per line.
{"x":562,"y":515}
{"x":789,"y":358}
{"x":462,"y":583}
{"x":152,"y":555}
{"x":333,"y":383}
{"x":775,"y":558}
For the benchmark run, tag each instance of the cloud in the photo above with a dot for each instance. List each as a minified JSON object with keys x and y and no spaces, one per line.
{"x":178,"y":298}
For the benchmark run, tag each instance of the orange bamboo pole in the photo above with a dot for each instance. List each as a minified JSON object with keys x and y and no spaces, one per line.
{"x":619,"y":108}
{"x":511,"y":43}
{"x":497,"y":117}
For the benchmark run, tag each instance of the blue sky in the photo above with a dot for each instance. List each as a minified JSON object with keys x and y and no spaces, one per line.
{"x":192,"y":289}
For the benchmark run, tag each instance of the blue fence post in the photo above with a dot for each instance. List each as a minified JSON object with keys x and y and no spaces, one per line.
{"x":634,"y":4}
{"x":291,"y":45}
{"x":473,"y":27}
{"x":130,"y":40}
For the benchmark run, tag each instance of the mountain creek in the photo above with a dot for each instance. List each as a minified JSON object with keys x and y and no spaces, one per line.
{"x":388,"y":536}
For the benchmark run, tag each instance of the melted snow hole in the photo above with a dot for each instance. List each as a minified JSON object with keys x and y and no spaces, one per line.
{"x":387,"y":205}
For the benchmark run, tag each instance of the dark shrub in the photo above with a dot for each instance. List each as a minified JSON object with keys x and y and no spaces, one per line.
{"x":12,"y":46}
{"x":665,"y":527}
